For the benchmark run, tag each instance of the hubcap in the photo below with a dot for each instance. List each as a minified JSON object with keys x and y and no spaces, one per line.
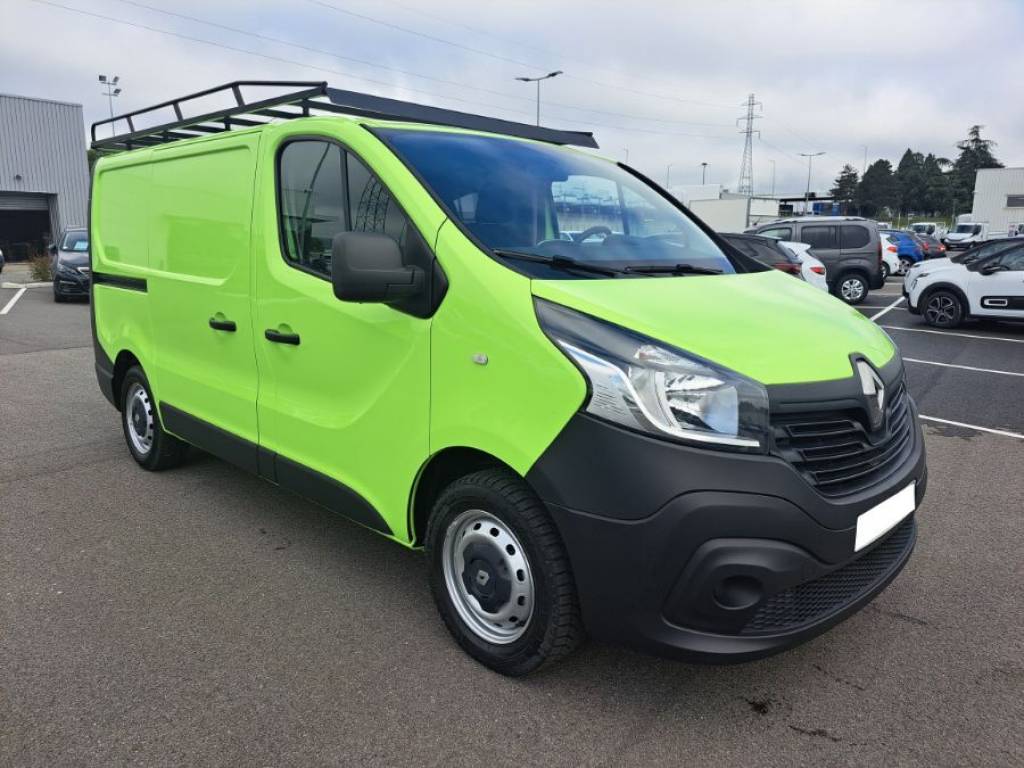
{"x":488,"y":577}
{"x":138,"y":417}
{"x":941,"y":310}
{"x":851,"y":289}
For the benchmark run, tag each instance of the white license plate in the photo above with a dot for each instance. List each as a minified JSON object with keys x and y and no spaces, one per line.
{"x":882,"y":518}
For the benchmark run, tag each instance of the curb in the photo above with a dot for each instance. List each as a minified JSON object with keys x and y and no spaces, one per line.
{"x":25,"y":285}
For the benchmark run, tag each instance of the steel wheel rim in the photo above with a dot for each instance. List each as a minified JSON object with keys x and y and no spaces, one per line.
{"x":941,"y":310}
{"x":471,"y":534}
{"x":138,"y":419}
{"x":851,"y":289}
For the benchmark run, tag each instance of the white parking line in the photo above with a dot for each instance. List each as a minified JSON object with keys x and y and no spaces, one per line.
{"x":1002,"y":432}
{"x":12,"y":302}
{"x":962,"y":367}
{"x":891,"y":307}
{"x":952,"y":333}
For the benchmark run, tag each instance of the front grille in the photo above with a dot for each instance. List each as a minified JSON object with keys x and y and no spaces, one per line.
{"x":814,"y":600}
{"x":835,"y":452}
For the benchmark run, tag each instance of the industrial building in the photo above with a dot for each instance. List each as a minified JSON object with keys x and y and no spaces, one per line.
{"x":999,"y":200}
{"x":44,"y":173}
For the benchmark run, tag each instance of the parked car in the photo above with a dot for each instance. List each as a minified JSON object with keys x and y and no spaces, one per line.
{"x":811,"y":269}
{"x":933,"y":247}
{"x":70,"y":265}
{"x":848,"y":246}
{"x":966,"y":235}
{"x":908,"y":249}
{"x":766,"y":250}
{"x":579,"y":433}
{"x":891,"y":264}
{"x":948,"y":293}
{"x":930,"y":228}
{"x":984,"y":250}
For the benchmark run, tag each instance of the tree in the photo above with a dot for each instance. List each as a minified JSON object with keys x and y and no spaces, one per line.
{"x":975,"y":153}
{"x":844,"y":191}
{"x":877,"y":189}
{"x":910,"y":181}
{"x":938,"y":191}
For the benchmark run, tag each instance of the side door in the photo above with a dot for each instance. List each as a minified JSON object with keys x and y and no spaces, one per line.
{"x":204,"y":372}
{"x":345,"y":387}
{"x":997,"y":288}
{"x":824,"y":241}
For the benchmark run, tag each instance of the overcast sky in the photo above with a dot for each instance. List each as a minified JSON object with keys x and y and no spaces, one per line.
{"x":663,"y":80}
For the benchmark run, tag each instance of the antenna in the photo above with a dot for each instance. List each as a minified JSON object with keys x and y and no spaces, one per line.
{"x":747,"y":165}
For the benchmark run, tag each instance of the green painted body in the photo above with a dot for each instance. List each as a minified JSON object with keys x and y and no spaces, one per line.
{"x":372,"y":394}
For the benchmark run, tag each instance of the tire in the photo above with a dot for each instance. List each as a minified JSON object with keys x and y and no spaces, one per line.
{"x":885,"y":271}
{"x":851,"y":288}
{"x":942,"y":309}
{"x":148,"y":444}
{"x":905,"y":264}
{"x":494,"y":552}
{"x":59,"y":298}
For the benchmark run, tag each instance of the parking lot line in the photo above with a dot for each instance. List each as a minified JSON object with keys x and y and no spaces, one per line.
{"x":962,"y":367}
{"x":12,"y":302}
{"x":952,"y":333}
{"x":1002,"y":432}
{"x":889,"y":308}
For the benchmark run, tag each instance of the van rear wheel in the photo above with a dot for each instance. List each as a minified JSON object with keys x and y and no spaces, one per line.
{"x":148,"y":444}
{"x":500,"y":575}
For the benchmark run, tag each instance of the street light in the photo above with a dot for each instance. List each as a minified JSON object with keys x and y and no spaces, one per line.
{"x":773,"y":177}
{"x":537,"y":81}
{"x":703,"y":173}
{"x":668,"y":175}
{"x":112,"y":90}
{"x":810,"y":156}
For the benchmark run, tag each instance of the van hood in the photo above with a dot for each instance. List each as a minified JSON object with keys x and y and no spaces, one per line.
{"x":768,"y":326}
{"x":956,"y":237}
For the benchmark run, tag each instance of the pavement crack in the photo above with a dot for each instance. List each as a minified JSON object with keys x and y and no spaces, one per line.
{"x":899,"y":615}
{"x":818,"y":733}
{"x":838,"y":679}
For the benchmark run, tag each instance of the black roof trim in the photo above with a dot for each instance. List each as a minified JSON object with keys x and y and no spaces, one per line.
{"x":308,"y":99}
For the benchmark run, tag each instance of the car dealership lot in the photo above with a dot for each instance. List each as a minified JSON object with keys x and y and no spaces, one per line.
{"x":203,"y":617}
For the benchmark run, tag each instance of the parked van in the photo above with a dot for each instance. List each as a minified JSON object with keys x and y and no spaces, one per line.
{"x":848,"y":246}
{"x":639,"y":433}
{"x":966,"y":235}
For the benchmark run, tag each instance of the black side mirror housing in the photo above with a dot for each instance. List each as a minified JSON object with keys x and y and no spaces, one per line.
{"x":366,"y":267}
{"x":52,"y":248}
{"x":990,"y":269}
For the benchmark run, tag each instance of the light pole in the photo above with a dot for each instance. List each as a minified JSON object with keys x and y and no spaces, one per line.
{"x":810,"y":156}
{"x":112,"y":90}
{"x":703,"y":173}
{"x":668,"y":175}
{"x":626,"y":150}
{"x":773,"y":177}
{"x":537,"y":81}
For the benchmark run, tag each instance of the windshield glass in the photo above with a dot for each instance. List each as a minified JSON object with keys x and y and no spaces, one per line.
{"x":968,"y":229}
{"x":75,"y":241}
{"x":547,"y":201}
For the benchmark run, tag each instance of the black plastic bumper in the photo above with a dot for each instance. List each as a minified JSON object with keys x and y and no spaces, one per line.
{"x":65,"y":284}
{"x":709,"y":555}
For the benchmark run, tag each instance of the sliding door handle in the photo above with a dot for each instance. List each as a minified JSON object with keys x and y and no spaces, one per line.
{"x":281,"y":338}
{"x":220,"y":324}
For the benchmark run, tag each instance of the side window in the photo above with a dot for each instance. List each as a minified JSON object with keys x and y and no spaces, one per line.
{"x":853,"y":236}
{"x":781,"y":233}
{"x":768,"y":254}
{"x":1011,"y":260}
{"x":371,"y":207}
{"x":312,"y":202}
{"x":819,"y":237}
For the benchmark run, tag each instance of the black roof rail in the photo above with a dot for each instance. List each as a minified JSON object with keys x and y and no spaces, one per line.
{"x":309,"y":98}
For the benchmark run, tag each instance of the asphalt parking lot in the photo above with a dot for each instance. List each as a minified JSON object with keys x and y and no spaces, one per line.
{"x":203,"y":617}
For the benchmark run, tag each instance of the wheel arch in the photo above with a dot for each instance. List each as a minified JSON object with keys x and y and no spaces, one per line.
{"x":122,"y":363}
{"x":954,"y":289}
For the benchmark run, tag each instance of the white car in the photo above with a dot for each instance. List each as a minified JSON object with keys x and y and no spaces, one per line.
{"x":946,"y":292}
{"x":930,"y":228}
{"x":811,"y":269}
{"x":891,"y":264}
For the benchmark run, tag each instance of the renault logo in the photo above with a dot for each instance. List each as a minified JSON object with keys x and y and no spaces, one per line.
{"x":874,"y":393}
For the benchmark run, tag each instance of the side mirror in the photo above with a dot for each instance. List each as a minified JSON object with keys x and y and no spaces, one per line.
{"x":52,"y":248}
{"x":366,"y":267}
{"x":991,"y":269}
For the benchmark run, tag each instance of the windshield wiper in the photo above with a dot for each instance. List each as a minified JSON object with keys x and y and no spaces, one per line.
{"x":558,"y":262}
{"x":672,"y":269}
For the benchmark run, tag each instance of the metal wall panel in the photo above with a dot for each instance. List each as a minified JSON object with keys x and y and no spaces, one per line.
{"x":991,"y":189}
{"x":42,"y":151}
{"x":10,"y":202}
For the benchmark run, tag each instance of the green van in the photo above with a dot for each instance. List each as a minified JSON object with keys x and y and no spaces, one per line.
{"x":593,"y":414}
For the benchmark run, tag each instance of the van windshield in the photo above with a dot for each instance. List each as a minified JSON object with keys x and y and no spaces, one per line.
{"x":968,"y":229}
{"x":524,"y":198}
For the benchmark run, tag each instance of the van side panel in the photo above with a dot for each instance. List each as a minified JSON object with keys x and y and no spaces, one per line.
{"x":119,"y":249}
{"x":498,"y":384}
{"x":200,"y":270}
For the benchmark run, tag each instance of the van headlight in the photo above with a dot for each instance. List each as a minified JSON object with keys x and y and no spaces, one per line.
{"x":646,"y":385}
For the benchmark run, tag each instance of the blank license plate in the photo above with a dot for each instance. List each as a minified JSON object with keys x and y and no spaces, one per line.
{"x":883,"y":517}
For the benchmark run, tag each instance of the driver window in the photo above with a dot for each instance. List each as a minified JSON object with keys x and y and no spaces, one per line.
{"x":1013,"y":261}
{"x":583,"y":202}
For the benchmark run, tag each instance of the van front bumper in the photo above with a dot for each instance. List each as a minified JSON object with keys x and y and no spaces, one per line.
{"x":708,"y":555}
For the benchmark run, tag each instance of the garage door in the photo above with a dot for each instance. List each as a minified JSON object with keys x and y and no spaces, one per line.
{"x":9,"y":202}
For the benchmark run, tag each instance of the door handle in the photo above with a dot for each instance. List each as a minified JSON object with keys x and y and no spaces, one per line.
{"x":281,"y":338}
{"x":223,"y":325}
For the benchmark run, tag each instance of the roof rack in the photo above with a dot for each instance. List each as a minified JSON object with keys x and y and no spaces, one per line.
{"x":310,"y":98}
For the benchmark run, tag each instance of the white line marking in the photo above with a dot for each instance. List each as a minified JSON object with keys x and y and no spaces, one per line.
{"x":12,"y":302}
{"x":962,"y":367}
{"x":952,"y":333}
{"x":892,"y":306}
{"x":1002,"y":432}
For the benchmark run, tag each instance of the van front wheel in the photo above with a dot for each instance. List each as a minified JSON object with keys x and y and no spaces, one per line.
{"x":500,"y":575}
{"x":149,"y":445}
{"x":851,"y":288}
